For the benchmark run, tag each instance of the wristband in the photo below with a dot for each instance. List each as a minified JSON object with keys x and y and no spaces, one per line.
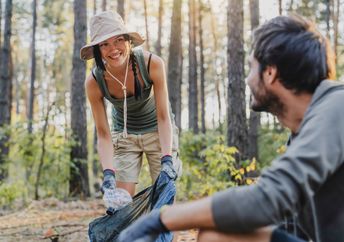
{"x":166,"y":155}
{"x":109,"y":172}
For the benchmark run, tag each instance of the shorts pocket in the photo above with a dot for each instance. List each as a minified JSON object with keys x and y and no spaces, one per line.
{"x":115,"y":139}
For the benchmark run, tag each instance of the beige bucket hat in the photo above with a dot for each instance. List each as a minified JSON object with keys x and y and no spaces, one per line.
{"x":106,"y":25}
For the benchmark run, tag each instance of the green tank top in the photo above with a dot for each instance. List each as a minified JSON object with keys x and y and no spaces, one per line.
{"x":141,"y":113}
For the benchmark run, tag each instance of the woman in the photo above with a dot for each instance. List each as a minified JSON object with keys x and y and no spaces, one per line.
{"x":134,"y":81}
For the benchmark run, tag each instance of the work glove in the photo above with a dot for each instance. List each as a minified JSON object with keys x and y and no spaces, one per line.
{"x":167,"y":166}
{"x":109,"y":181}
{"x":146,"y":229}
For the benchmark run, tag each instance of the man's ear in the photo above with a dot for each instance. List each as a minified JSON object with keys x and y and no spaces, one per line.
{"x":270,"y":74}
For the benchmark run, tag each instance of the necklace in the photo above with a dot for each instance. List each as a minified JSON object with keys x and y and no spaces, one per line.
{"x":124,"y":88}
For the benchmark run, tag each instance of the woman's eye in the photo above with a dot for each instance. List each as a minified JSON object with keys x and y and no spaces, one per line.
{"x":119,"y":41}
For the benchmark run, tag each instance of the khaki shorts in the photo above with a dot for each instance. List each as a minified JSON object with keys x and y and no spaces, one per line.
{"x":128,"y":153}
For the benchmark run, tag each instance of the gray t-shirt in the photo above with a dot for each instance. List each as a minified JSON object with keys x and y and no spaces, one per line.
{"x":308,"y":180}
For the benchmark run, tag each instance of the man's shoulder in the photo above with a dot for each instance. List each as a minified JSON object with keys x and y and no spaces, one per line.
{"x":329,"y":95}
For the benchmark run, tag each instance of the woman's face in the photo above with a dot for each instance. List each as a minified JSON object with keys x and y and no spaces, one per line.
{"x":114,"y":50}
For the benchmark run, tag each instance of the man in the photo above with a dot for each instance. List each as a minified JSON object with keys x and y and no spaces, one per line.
{"x":290,"y":67}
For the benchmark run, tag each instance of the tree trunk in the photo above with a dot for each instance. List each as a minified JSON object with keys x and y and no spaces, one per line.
{"x":95,"y":161}
{"x":328,"y":18}
{"x":146,"y":24}
{"x":217,"y":76}
{"x":254,"y":121}
{"x":0,"y":23}
{"x":79,"y":183}
{"x":121,"y":8}
{"x":202,"y":70}
{"x":279,"y":7}
{"x":161,"y":12}
{"x":5,"y":88}
{"x":335,"y":29}
{"x":175,"y":62}
{"x":291,"y":6}
{"x":237,"y":128}
{"x":41,"y":160}
{"x":33,"y":67}
{"x":193,"y":89}
{"x":104,"y":5}
{"x":94,"y":7}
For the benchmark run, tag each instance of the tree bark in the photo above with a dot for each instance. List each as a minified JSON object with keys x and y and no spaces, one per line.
{"x":121,"y":8}
{"x":94,"y":7}
{"x":279,"y":7}
{"x":41,"y":160}
{"x":193,"y":88}
{"x":335,"y":29}
{"x":236,"y":119}
{"x":254,"y":120}
{"x":104,"y":5}
{"x":328,"y":18}
{"x":202,"y":70}
{"x":161,"y":13}
{"x":79,"y":182}
{"x":291,"y":6}
{"x":33,"y":67}
{"x":175,"y":62}
{"x":146,"y":24}
{"x":5,"y":88}
{"x":215,"y":58}
{"x":0,"y":23}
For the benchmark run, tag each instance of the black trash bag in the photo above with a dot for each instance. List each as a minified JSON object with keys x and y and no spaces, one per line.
{"x":108,"y":227}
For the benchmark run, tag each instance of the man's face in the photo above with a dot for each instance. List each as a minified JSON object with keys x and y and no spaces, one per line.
{"x":262,"y":98}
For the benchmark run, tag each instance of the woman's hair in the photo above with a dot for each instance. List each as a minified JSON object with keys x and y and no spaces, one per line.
{"x":132,"y":59}
{"x":302,"y":56}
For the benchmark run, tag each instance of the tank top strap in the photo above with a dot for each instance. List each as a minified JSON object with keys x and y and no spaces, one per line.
{"x":98,"y":75}
{"x":138,"y":52}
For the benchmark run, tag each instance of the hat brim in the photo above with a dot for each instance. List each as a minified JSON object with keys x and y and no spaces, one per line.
{"x":86,"y":52}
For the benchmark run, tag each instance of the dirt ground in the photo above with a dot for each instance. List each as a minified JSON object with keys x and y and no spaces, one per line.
{"x":54,"y":220}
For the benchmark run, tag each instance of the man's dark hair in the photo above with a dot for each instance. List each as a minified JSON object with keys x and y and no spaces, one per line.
{"x":302,"y":56}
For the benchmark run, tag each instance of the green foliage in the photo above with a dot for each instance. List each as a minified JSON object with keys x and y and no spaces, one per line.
{"x":208,"y":165}
{"x":26,"y":154}
{"x":9,"y":192}
{"x":271,"y":143}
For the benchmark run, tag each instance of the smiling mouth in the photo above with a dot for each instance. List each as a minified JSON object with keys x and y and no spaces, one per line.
{"x":115,"y":56}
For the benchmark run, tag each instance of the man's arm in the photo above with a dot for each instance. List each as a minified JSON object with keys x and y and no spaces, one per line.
{"x":196,"y":214}
{"x":282,"y":189}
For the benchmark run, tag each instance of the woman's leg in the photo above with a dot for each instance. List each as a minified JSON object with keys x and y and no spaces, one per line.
{"x":129,"y":186}
{"x":152,"y":149}
{"x":127,"y":161}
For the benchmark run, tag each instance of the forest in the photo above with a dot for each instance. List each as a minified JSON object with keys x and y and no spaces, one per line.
{"x":48,"y":138}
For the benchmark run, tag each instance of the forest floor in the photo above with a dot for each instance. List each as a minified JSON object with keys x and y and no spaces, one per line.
{"x":54,"y":220}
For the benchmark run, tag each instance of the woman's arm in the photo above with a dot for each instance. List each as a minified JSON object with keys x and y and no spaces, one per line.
{"x":158,"y":76}
{"x":105,"y":147}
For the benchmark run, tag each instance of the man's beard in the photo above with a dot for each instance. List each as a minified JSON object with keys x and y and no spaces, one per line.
{"x":265,"y":101}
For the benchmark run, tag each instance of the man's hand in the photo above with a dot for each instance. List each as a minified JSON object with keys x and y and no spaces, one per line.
{"x":146,"y":229}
